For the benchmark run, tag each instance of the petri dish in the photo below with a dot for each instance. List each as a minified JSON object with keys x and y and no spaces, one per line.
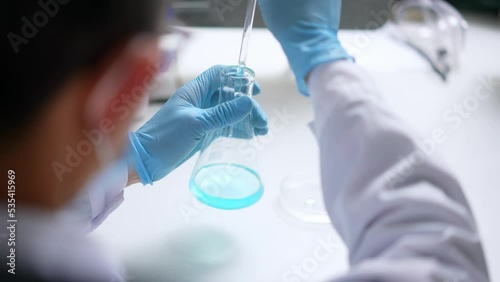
{"x":301,"y":197}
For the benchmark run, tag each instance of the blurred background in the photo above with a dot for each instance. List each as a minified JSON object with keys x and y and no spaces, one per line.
{"x":355,"y":13}
{"x":426,"y":62}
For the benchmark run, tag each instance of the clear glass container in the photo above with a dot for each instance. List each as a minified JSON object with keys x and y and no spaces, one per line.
{"x":434,"y":28}
{"x":226,"y":173}
{"x":301,"y":197}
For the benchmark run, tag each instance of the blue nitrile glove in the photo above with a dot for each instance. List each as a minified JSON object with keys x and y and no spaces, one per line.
{"x":176,"y":132}
{"x":307,"y":32}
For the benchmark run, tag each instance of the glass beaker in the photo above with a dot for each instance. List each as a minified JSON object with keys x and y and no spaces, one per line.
{"x":226,"y":175}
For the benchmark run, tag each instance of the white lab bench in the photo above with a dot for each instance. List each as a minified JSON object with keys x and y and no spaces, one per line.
{"x":166,"y":233}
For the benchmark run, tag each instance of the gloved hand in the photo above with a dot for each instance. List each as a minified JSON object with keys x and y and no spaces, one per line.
{"x":177,"y":131}
{"x":307,"y":32}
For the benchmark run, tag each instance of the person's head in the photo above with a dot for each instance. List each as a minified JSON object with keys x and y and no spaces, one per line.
{"x":76,"y":72}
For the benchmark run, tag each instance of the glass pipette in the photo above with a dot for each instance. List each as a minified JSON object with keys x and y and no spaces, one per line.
{"x":247,"y":29}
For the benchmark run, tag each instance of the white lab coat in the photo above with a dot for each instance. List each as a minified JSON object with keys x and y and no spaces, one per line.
{"x":400,"y":222}
{"x":398,"y":226}
{"x":54,"y":246}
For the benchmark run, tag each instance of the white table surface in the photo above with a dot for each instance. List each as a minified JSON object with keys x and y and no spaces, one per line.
{"x":165,"y":233}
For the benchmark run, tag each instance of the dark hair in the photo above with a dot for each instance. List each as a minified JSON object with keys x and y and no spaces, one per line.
{"x":49,"y":40}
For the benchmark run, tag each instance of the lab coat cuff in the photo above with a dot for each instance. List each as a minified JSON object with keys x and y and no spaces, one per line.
{"x":110,"y":207}
{"x":107,"y":193}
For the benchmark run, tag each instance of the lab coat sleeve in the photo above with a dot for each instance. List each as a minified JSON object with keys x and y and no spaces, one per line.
{"x":401,"y":213}
{"x":106,"y":194}
{"x":99,"y":198}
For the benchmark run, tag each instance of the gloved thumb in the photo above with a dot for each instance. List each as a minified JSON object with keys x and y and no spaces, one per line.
{"x":228,"y":113}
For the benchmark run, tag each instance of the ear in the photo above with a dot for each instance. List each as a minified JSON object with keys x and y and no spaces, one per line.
{"x":119,"y":87}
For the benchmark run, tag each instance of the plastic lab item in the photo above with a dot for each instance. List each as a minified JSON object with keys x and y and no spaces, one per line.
{"x":435,"y":29}
{"x":301,"y":197}
{"x":226,"y":174}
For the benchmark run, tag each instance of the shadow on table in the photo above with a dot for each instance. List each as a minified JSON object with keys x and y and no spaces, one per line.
{"x":190,"y":254}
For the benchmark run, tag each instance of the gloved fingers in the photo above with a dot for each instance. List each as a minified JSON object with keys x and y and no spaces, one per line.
{"x":259,"y":118}
{"x":214,"y":100}
{"x":256,"y":89}
{"x":200,"y":90}
{"x":260,"y":131}
{"x":227,"y":113}
{"x":214,"y":97}
{"x":209,"y":80}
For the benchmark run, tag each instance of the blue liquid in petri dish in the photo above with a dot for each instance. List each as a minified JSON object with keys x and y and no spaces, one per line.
{"x":227,"y":186}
